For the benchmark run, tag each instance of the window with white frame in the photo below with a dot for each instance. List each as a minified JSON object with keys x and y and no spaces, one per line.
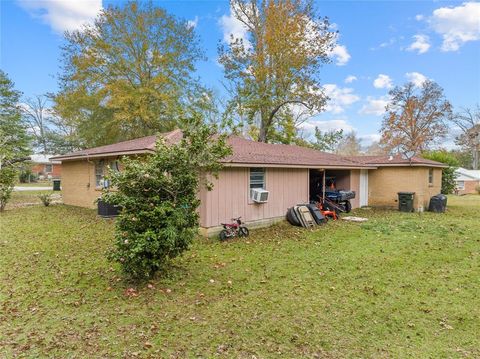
{"x":461,"y":185}
{"x":430,"y":176}
{"x":99,"y":173}
{"x":48,"y":168}
{"x":257,"y":178}
{"x":101,"y":168}
{"x":114,"y":166}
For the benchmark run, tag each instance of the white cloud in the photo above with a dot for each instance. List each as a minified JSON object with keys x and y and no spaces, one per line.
{"x":419,"y":17}
{"x":193,"y":23}
{"x":339,"y":98}
{"x":457,"y":25}
{"x":232,"y":27}
{"x":340,"y":55}
{"x":421,"y":44}
{"x":416,"y":77}
{"x":383,"y":82}
{"x":388,"y":43}
{"x":63,"y":15}
{"x":350,"y":79}
{"x":374,"y":106}
{"x":370,"y":138}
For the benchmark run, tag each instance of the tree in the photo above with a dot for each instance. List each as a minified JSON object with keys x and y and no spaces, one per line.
{"x":327,"y":140}
{"x":159,"y":198}
{"x":274,"y":73}
{"x":375,"y":149}
{"x":463,"y":157}
{"x":37,"y":117}
{"x":14,"y":140}
{"x":349,"y":145}
{"x":468,"y":121}
{"x":448,"y":174}
{"x":415,"y":118}
{"x":128,"y":75}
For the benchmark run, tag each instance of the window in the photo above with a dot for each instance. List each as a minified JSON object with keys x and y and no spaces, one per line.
{"x":99,"y":173}
{"x":257,"y":178}
{"x":430,"y":176}
{"x":460,"y":185}
{"x":101,"y":170}
{"x":48,"y":168}
{"x":114,"y":166}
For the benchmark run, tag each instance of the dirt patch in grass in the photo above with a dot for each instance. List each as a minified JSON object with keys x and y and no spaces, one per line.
{"x":22,"y":199}
{"x":400,"y":285}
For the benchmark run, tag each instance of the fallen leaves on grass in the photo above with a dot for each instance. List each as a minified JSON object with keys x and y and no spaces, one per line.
{"x":131,"y":292}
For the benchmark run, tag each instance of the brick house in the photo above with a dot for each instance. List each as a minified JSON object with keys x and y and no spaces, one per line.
{"x":43,"y":166}
{"x":287,"y":172}
{"x":467,"y":180}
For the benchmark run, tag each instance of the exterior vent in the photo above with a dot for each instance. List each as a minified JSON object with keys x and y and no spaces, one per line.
{"x":259,"y":195}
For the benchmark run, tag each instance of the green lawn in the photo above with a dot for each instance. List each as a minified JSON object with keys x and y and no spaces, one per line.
{"x":400,"y":285}
{"x":29,"y":198}
{"x":36,"y":184}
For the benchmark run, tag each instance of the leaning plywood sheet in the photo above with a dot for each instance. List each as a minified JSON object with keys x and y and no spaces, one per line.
{"x":355,"y":219}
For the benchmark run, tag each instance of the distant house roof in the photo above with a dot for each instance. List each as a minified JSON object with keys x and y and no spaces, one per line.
{"x":463,"y":174}
{"x":252,"y":153}
{"x":43,"y":159}
{"x":397,"y":160}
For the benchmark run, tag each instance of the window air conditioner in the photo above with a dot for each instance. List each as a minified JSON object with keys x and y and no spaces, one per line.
{"x":259,"y":195}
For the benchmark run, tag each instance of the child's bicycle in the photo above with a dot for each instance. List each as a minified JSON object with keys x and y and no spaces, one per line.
{"x":235,"y":229}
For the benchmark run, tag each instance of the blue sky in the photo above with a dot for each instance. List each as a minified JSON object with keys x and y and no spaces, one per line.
{"x":381,"y":44}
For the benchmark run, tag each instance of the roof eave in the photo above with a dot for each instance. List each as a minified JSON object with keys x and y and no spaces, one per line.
{"x":411,"y":165}
{"x":306,"y":166}
{"x":100,"y":155}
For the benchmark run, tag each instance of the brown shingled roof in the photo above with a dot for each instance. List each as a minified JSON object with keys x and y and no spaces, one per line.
{"x":248,"y":152}
{"x":259,"y":153}
{"x":138,"y":145}
{"x":245,"y":152}
{"x":397,"y":160}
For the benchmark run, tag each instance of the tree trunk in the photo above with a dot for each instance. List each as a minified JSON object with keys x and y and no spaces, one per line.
{"x":262,"y":135}
{"x":476,"y":155}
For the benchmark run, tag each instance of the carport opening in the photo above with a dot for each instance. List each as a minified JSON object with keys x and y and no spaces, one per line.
{"x":334,"y":180}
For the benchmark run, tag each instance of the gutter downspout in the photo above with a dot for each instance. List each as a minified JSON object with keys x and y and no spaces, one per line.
{"x":89,"y":177}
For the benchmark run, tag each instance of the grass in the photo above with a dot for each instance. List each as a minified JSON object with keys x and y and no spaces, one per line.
{"x":399,"y":285}
{"x":35,"y":184}
{"x":28,"y":198}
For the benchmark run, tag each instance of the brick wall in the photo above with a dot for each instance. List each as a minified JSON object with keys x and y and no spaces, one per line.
{"x":78,"y":184}
{"x":385,"y":182}
{"x":469,"y":187}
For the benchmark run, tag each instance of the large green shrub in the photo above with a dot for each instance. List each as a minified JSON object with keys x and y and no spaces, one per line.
{"x":448,"y":174}
{"x":158,"y":197}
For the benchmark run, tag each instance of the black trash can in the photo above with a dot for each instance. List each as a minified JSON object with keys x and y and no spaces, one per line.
{"x":438,"y":203}
{"x":56,"y":184}
{"x":107,"y":210}
{"x":405,"y":201}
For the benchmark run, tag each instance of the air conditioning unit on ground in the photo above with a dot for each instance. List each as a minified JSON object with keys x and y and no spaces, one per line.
{"x":259,"y":195}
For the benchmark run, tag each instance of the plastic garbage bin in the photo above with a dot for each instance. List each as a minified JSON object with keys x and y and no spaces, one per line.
{"x":438,"y":203}
{"x":405,"y":201}
{"x":56,"y":184}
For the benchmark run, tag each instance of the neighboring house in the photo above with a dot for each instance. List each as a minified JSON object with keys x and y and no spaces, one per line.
{"x":291,"y":174}
{"x":467,"y":180}
{"x":44,"y":167}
